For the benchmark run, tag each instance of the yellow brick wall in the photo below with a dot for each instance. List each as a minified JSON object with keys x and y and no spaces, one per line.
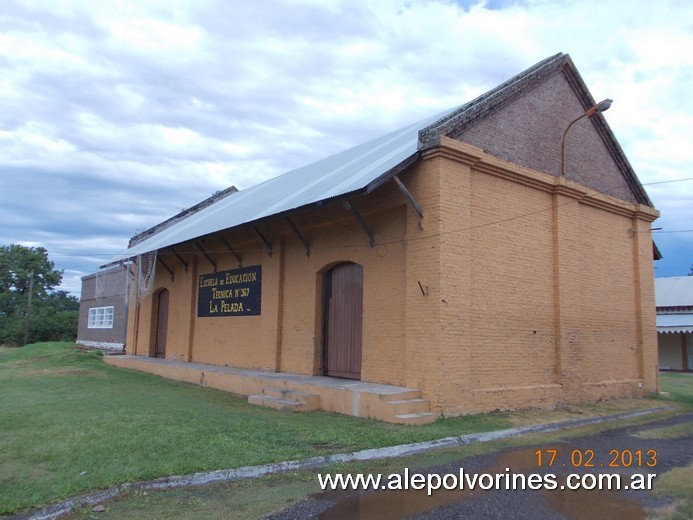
{"x":544,"y":296}
{"x":423,"y":364}
{"x":607,"y":337}
{"x":242,"y":341}
{"x":287,"y":336}
{"x":512,"y":324}
{"x":383,"y":310}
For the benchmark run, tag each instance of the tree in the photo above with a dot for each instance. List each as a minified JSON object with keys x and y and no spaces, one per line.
{"x":29,"y":301}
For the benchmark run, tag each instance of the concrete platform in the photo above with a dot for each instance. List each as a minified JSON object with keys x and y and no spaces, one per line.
{"x":389,"y":403}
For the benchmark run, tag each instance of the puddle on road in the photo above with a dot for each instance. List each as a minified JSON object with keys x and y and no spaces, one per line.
{"x":385,"y":505}
{"x":574,"y":504}
{"x":582,"y":504}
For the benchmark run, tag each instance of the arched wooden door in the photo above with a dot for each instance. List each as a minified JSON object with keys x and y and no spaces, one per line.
{"x":161,"y":324}
{"x":343,"y":319}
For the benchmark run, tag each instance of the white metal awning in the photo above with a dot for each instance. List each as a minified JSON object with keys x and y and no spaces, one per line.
{"x":675,"y":323}
{"x":674,"y":291}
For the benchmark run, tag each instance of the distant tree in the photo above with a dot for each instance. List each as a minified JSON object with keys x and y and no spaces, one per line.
{"x":27,"y":283}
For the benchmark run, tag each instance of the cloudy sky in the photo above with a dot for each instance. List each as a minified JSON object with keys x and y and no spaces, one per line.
{"x":115,"y":115}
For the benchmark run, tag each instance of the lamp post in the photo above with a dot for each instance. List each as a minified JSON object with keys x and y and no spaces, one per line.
{"x":602,"y":106}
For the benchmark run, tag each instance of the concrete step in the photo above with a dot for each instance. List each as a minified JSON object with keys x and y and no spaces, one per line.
{"x":286,"y":399}
{"x":404,"y":406}
{"x":309,"y":401}
{"x":409,"y":411}
{"x":278,"y":404}
{"x":415,"y":418}
{"x":412,"y":393}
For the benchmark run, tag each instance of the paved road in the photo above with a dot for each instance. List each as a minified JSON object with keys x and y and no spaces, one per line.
{"x":529,"y":504}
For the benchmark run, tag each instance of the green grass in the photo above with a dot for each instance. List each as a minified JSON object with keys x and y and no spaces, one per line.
{"x":257,"y":498}
{"x":676,"y":484}
{"x":242,"y":499}
{"x":678,"y":386}
{"x":71,"y":424}
{"x":671,"y":432}
{"x":260,"y":497}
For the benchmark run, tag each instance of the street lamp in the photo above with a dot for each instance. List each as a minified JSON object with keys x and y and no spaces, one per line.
{"x":602,"y":106}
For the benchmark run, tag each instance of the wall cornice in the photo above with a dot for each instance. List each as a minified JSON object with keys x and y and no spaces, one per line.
{"x":482,"y":162}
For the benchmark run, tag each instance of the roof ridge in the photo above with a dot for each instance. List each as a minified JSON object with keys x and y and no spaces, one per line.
{"x":216,"y":196}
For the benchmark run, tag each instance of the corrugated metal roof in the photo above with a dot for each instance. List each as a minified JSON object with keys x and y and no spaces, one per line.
{"x":364,"y":167}
{"x":671,"y":323}
{"x":676,"y":291}
{"x":349,"y":171}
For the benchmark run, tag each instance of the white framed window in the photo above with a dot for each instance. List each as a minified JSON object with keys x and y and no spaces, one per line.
{"x":100,"y":318}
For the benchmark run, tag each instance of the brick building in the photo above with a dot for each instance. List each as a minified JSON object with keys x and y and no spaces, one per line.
{"x":674,"y":300}
{"x":448,"y":267}
{"x":103,"y":309}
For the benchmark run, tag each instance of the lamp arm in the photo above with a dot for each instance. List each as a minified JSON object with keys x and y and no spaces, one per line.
{"x":565,"y":133}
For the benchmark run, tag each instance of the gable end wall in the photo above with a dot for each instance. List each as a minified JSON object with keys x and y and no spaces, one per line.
{"x":528,"y":132}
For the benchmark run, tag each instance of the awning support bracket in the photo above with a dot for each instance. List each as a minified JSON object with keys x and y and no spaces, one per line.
{"x":264,"y":240}
{"x":306,"y":244}
{"x":369,"y":231}
{"x":209,"y":258}
{"x":165,"y":266}
{"x":409,"y":196}
{"x":180,"y":259}
{"x":233,"y":251}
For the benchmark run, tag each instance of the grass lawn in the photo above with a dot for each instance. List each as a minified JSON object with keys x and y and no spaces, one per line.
{"x":70,"y":424}
{"x":679,"y":387}
{"x":256,"y":498}
{"x":678,"y":483}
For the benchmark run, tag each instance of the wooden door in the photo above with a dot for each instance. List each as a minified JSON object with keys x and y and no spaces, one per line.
{"x":161,"y":325}
{"x":343,"y":318}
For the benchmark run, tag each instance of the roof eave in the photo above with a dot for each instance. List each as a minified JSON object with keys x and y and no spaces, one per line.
{"x":370,"y":187}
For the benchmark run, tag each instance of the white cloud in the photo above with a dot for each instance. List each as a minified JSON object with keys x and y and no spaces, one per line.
{"x":119,"y":114}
